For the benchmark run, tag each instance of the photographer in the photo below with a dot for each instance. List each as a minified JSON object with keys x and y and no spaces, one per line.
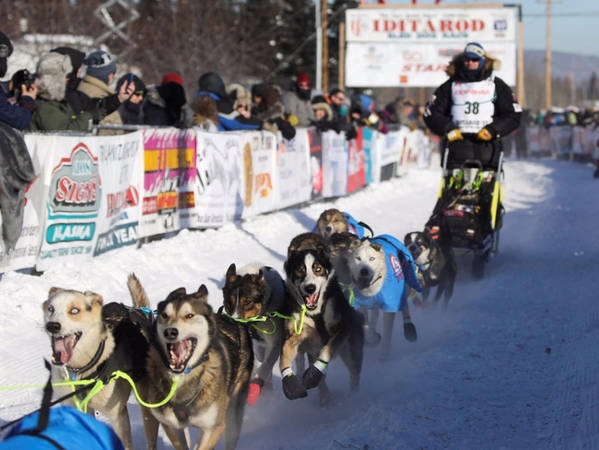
{"x":16,"y":167}
{"x":16,"y":115}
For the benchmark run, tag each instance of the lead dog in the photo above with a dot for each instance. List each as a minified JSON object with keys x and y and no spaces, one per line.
{"x":256,"y":294}
{"x":436,"y":263}
{"x":90,"y":341}
{"x":210,"y":357}
{"x":381,"y":270}
{"x":323,"y":323}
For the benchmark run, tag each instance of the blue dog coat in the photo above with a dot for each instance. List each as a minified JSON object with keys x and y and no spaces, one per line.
{"x":400,"y":270}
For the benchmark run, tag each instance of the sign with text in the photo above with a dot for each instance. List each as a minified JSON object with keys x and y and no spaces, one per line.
{"x":412,"y":46}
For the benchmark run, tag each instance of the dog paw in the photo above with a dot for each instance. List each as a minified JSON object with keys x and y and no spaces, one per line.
{"x":293,"y":387}
{"x":254,"y":390}
{"x":409,"y":332}
{"x":372,"y":338}
{"x":312,"y":377}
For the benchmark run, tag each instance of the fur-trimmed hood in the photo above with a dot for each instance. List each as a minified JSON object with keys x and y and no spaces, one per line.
{"x":52,"y":71}
{"x":319,"y":102}
{"x":455,"y":69}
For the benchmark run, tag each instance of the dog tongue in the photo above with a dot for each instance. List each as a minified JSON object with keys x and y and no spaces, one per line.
{"x":63,"y":349}
{"x":311,"y":300}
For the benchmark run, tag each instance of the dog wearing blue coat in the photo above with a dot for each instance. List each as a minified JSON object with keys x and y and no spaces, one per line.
{"x":382,"y":269}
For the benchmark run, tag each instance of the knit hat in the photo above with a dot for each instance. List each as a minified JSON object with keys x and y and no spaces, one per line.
{"x":474,"y":50}
{"x":302,"y":77}
{"x":99,"y":65}
{"x":172,"y":77}
{"x":52,"y":71}
{"x":5,"y":46}
{"x":5,"y":52}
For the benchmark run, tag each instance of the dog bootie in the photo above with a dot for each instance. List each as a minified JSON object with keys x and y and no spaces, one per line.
{"x":409,"y":331}
{"x":254,"y":390}
{"x":313,"y":374}
{"x":371,"y":337}
{"x":293,"y":387}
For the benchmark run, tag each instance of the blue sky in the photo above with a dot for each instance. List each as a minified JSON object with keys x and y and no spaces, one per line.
{"x":574,"y":23}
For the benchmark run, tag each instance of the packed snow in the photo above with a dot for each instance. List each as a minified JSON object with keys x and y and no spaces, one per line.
{"x":512,"y":363}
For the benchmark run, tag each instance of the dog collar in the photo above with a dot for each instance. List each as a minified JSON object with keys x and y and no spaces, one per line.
{"x":74,"y":371}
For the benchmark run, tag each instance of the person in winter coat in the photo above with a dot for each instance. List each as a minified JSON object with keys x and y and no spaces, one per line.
{"x":16,"y":115}
{"x":53,"y":112}
{"x":211,"y":84}
{"x":297,"y":102}
{"x":473,"y":109}
{"x":271,"y":112}
{"x":16,"y":166}
{"x":165,"y":103}
{"x":131,"y":110}
{"x":242,"y":104}
{"x":323,"y":114}
{"x":93,"y":93}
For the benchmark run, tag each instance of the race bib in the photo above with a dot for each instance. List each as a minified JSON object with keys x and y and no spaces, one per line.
{"x":473,"y":106}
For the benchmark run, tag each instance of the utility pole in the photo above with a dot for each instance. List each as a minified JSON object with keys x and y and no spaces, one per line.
{"x":325,"y":46}
{"x":548,"y":100}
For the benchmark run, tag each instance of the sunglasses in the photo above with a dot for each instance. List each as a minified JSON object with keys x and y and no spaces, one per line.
{"x":4,"y":51}
{"x":472,"y":59}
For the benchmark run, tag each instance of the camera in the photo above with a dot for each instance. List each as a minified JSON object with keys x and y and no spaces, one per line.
{"x":19,"y":78}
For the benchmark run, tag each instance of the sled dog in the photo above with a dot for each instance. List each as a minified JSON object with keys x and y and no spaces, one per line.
{"x":323,"y":323}
{"x":90,"y":341}
{"x":380,"y":267}
{"x":256,"y":294}
{"x":333,"y":221}
{"x":209,"y":357}
{"x":434,"y":257}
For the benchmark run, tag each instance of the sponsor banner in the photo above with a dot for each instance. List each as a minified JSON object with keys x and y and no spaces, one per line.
{"x":120,"y":163}
{"x":169,"y":177}
{"x":412,"y":46}
{"x":294,"y":182}
{"x":220,"y":187}
{"x":73,"y":200}
{"x":315,"y":164}
{"x":404,"y":151}
{"x":355,"y":150}
{"x":26,"y":250}
{"x":561,"y":139}
{"x":370,"y":163}
{"x":260,"y":179}
{"x":336,"y":168}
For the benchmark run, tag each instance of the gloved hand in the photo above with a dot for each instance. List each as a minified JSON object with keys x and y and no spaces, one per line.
{"x":455,"y":135}
{"x":484,"y":135}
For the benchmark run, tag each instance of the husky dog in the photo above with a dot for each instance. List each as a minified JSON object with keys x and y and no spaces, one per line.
{"x":210,"y":358}
{"x":333,"y":221}
{"x":380,"y":267}
{"x":255,"y":294}
{"x":323,"y":323}
{"x":435,"y":260}
{"x":91,"y":340}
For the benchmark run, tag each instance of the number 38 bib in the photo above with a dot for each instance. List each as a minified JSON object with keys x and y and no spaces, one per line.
{"x":473,"y":105}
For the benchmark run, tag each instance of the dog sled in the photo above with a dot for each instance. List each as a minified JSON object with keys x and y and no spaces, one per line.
{"x":469,"y":209}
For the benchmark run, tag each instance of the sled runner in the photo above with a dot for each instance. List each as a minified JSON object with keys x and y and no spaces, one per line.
{"x":470,"y":206}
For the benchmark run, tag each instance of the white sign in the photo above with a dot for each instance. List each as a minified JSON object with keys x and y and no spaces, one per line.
{"x":412,"y":46}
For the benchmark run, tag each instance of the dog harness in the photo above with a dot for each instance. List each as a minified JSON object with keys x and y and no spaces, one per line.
{"x":400,"y":270}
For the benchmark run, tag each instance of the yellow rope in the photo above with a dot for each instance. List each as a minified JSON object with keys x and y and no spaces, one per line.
{"x":119,"y":374}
